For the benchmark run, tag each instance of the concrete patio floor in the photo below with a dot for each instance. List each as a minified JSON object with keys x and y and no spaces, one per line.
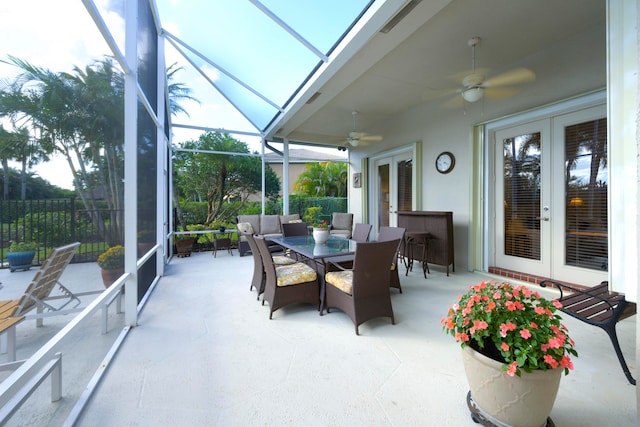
{"x":206,"y":354}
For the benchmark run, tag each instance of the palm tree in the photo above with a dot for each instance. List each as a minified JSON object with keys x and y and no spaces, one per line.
{"x":323,"y":179}
{"x":177,"y":91}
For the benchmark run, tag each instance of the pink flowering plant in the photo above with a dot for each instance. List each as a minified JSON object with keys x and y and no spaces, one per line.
{"x":511,"y":324}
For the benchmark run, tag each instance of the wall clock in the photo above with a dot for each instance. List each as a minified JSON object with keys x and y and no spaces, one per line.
{"x":445,"y":162}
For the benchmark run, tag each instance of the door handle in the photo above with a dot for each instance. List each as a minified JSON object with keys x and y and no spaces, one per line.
{"x":540,"y":218}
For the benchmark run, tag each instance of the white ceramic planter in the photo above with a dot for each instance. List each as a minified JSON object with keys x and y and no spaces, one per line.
{"x":524,"y":401}
{"x":321,"y":235}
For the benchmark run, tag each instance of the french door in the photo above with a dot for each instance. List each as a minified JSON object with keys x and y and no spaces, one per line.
{"x":393,"y":188}
{"x":550,"y":197}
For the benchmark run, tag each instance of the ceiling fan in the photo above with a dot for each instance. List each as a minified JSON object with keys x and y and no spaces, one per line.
{"x":475,"y":85}
{"x":355,"y":138}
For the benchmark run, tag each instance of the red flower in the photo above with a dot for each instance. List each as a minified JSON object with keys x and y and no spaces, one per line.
{"x":525,"y":333}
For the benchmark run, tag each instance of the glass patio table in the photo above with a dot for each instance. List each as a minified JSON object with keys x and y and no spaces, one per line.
{"x":318,"y":252}
{"x":307,"y":247}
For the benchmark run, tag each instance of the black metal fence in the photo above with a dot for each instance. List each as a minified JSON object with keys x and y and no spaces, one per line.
{"x":328,"y":205}
{"x":56,"y":222}
{"x":51,"y":223}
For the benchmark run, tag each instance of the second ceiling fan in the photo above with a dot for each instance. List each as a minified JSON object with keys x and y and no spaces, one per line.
{"x":475,"y":85}
{"x":355,"y":138}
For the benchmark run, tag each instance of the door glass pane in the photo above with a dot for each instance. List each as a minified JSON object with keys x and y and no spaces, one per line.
{"x":405,"y":185}
{"x":383,"y":197}
{"x":521,"y":159}
{"x":586,"y":195}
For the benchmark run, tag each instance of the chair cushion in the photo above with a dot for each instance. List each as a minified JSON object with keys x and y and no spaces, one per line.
{"x":245,"y":227}
{"x":341,"y":233}
{"x":282,"y":260}
{"x":294,"y":274}
{"x":269,"y":224}
{"x":342,"y":280}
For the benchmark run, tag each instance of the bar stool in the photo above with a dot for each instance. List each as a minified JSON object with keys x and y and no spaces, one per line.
{"x":418,"y":239}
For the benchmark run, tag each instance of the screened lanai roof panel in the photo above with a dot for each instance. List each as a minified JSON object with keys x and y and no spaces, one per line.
{"x":322,"y":23}
{"x":209,"y":109}
{"x":260,"y":64}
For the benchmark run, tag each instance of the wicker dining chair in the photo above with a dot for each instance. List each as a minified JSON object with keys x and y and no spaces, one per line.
{"x":258,"y":280}
{"x":393,"y":233}
{"x":360,"y":234}
{"x":287,"y":284}
{"x":363,"y":292}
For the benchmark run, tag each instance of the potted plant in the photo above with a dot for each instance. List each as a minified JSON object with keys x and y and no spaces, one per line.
{"x":321,"y":231}
{"x":20,"y":255}
{"x":184,"y":244}
{"x":515,"y":349}
{"x":111,"y":263}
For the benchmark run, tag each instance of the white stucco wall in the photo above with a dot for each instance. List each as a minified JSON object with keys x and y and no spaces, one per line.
{"x":442,"y":129}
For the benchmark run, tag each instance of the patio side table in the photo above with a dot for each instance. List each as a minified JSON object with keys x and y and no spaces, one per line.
{"x":222,"y":241}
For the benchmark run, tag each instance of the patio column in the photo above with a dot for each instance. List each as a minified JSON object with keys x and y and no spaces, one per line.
{"x":285,"y":177}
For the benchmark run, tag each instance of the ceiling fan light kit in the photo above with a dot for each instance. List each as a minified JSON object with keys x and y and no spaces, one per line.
{"x":473,"y":94}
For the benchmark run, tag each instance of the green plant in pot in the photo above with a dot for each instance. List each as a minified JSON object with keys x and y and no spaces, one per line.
{"x":111,"y":263}
{"x":20,"y":255}
{"x":515,"y":349}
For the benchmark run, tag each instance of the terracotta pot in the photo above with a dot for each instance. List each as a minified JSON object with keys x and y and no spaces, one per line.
{"x":524,"y":401}
{"x":110,"y":276}
{"x":184,"y":247}
{"x":321,"y":235}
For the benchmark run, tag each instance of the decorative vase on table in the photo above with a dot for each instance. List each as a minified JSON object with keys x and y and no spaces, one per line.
{"x":320,"y":235}
{"x":515,"y":349}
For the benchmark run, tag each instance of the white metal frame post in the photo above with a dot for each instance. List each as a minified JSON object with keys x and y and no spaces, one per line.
{"x":285,"y":177}
{"x":162,"y":192}
{"x":131,"y":162}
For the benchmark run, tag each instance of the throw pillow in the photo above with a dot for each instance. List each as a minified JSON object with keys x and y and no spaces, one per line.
{"x":245,"y":227}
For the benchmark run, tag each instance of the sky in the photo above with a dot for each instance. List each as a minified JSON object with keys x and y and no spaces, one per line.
{"x":52,"y":34}
{"x":60,"y":34}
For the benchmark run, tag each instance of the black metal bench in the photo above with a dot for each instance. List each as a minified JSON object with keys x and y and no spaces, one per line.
{"x":599,"y":307}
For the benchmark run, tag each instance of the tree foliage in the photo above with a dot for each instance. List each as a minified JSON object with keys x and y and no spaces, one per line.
{"x":219,"y":178}
{"x":323,"y":179}
{"x":79,"y":115}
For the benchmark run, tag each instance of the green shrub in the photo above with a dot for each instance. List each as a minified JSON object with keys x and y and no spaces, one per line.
{"x":23,"y":246}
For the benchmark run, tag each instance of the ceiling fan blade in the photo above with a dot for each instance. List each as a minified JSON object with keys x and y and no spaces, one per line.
{"x":454,"y":103}
{"x":497,"y":93}
{"x":355,"y":134}
{"x":458,"y":77}
{"x":371,"y":138}
{"x":513,"y":77}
